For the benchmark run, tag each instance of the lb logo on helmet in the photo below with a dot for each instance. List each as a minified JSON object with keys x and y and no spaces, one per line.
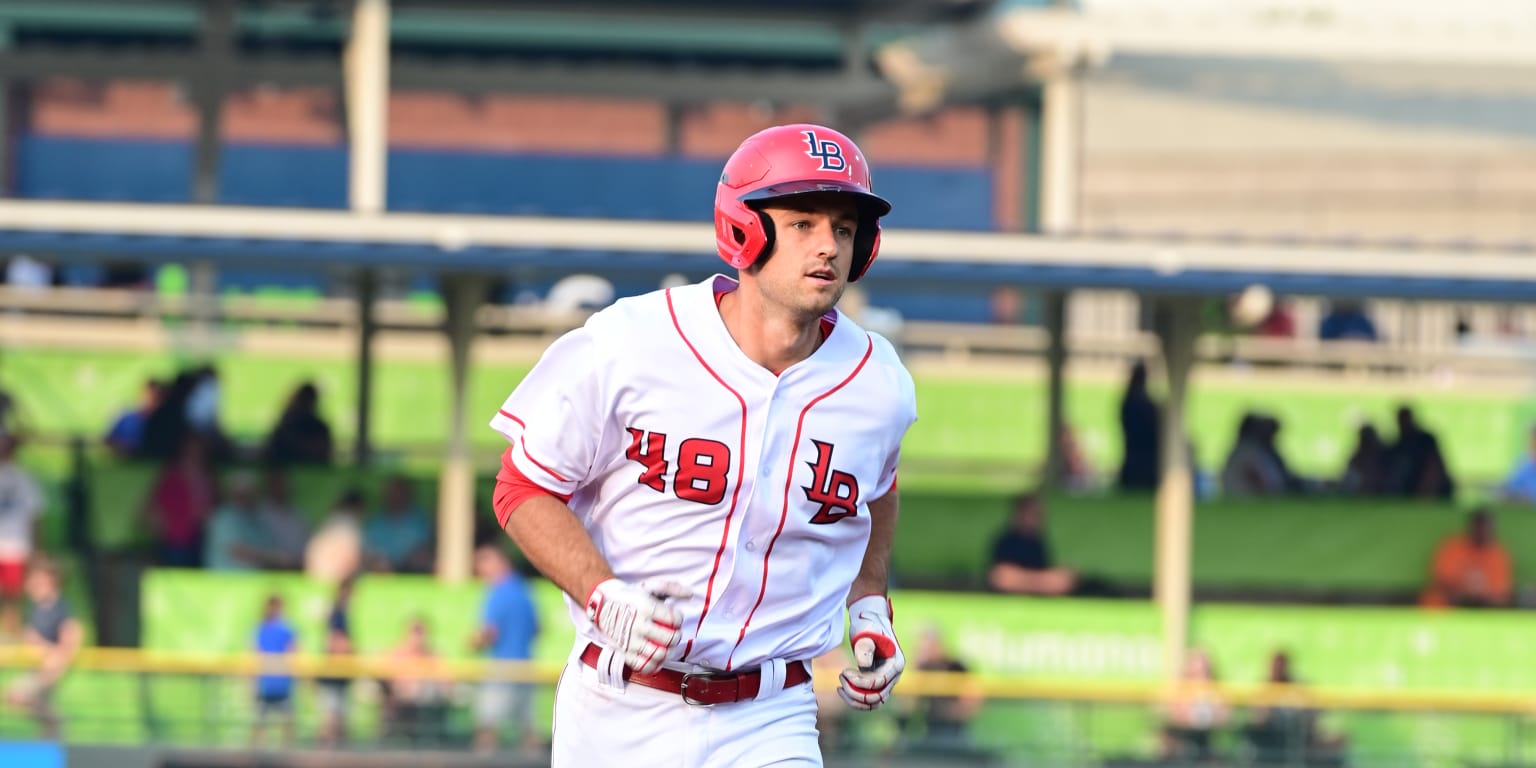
{"x":827,"y":151}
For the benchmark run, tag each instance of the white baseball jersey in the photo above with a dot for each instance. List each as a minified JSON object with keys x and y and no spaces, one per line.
{"x":687,"y":461}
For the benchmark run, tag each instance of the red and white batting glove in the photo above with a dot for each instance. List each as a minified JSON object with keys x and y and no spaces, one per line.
{"x":876,"y":652}
{"x":637,"y":620}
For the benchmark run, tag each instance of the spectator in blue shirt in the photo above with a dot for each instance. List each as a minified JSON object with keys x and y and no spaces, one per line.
{"x":274,"y":687}
{"x":508,"y":625}
{"x":126,"y":437}
{"x":1521,"y":485}
{"x":1347,"y":320}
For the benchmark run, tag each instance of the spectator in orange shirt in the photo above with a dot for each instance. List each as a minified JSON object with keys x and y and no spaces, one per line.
{"x":1470,"y":569}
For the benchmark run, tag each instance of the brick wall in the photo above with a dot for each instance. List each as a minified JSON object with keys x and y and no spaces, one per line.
{"x":144,"y":109}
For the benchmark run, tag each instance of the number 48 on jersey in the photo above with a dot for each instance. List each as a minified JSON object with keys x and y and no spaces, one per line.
{"x":703,"y":464}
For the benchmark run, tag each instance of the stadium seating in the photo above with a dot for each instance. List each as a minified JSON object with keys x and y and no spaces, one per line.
{"x":1301,"y":548}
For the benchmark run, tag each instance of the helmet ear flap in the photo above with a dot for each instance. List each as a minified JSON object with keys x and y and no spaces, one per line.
{"x":768,"y":238}
{"x":866,"y":246}
{"x":738,"y":233}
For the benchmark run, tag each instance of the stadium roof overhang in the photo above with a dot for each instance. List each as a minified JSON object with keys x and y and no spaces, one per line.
{"x":1032,"y":41}
{"x":332,"y":241}
{"x":677,"y":51}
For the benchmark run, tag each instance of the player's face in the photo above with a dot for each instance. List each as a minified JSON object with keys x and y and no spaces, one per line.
{"x":812,"y":253}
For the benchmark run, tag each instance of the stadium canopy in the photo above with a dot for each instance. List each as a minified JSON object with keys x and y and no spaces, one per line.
{"x":679,"y":52}
{"x":489,"y":246}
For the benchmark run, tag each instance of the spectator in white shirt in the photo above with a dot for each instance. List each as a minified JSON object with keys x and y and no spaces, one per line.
{"x":21,"y":504}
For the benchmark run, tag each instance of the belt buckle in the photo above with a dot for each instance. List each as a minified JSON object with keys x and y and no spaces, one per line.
{"x":683,"y":689}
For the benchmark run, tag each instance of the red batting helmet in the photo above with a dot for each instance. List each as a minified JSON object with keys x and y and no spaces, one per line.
{"x":792,"y":160}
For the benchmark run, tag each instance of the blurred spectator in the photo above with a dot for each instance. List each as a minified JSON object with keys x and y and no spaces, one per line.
{"x":203,"y":413}
{"x":1075,"y":473}
{"x":1005,"y":305}
{"x":166,"y":425}
{"x":1281,"y":322}
{"x":238,"y":539}
{"x":21,"y":504}
{"x":1139,"y":426}
{"x":1194,"y":711}
{"x":331,"y":692}
{"x":1202,"y":480}
{"x":1470,"y":570}
{"x":285,"y":527}
{"x":882,"y":320}
{"x":335,"y":551}
{"x":300,"y":435}
{"x":944,"y":720}
{"x":1271,"y":433}
{"x":1521,"y":484}
{"x":1021,"y":558}
{"x":399,"y":534}
{"x":126,"y":437}
{"x":416,"y":700}
{"x":1287,"y":732}
{"x":53,"y":630}
{"x":508,"y":625}
{"x":203,"y":400}
{"x":1253,"y":467}
{"x":10,"y":420}
{"x":579,"y":293}
{"x":180,"y":504}
{"x":24,"y":271}
{"x":1415,"y":466}
{"x":1346,"y":320}
{"x":276,"y":641}
{"x":1366,"y":472}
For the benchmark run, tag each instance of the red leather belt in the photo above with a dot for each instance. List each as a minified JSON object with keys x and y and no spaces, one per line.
{"x":704,"y":688}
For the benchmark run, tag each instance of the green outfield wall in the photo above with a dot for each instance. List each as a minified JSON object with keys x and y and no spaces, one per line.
{"x":1384,"y":649}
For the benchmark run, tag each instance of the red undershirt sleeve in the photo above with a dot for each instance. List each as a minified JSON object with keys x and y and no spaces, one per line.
{"x":513,"y":488}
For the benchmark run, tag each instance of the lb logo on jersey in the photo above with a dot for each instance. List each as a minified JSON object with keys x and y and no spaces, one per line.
{"x":836,"y":492}
{"x":829,"y":152}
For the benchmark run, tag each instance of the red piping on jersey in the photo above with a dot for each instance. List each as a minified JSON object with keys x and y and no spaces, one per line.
{"x":741,"y":464}
{"x":524,"y":441}
{"x":789,"y":480}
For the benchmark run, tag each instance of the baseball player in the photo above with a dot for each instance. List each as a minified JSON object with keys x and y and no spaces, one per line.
{"x":709,"y":473}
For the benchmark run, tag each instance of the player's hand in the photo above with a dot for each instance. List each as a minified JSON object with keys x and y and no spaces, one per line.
{"x":637,"y":620}
{"x":875,"y":650}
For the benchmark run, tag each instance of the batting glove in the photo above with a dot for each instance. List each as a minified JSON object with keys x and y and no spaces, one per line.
{"x":876,"y":652}
{"x":637,"y":620}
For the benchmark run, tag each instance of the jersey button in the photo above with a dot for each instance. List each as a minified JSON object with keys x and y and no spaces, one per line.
{"x":751,"y":546}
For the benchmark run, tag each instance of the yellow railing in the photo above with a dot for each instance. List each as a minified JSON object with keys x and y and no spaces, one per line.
{"x":913,"y":683}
